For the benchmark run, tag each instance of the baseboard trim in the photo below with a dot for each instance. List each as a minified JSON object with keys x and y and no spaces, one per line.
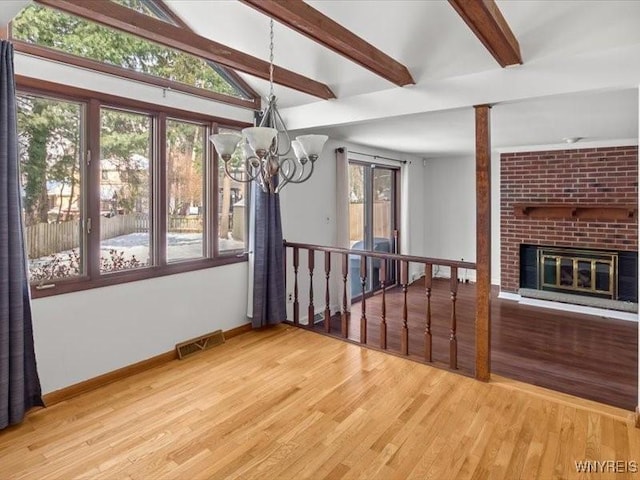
{"x":510,"y":296}
{"x":234,"y":332}
{"x":94,"y":383}
{"x":567,"y":307}
{"x":85,"y":386}
{"x":638,"y":416}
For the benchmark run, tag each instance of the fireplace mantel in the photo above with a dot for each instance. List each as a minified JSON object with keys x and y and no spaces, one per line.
{"x":574,"y":211}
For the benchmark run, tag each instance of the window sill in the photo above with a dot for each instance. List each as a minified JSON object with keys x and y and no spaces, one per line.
{"x":105,"y":280}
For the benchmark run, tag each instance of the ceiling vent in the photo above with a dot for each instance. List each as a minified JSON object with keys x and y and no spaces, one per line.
{"x":199,"y":344}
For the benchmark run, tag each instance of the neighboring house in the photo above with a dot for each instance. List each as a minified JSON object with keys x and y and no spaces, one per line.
{"x":118,"y":194}
{"x":63,"y":202}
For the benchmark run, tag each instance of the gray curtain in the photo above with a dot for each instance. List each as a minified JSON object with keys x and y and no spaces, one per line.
{"x":269,"y":296}
{"x":19,"y":382}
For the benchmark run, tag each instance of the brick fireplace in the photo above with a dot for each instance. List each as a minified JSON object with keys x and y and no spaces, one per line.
{"x":582,"y":200}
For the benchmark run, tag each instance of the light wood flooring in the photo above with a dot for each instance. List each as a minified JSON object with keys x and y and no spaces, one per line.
{"x":286,"y":403}
{"x":584,"y":355}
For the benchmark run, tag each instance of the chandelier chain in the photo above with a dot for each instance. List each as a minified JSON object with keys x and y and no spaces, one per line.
{"x":271,"y":60}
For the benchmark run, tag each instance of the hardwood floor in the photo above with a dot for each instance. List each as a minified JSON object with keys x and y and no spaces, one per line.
{"x":286,"y":403}
{"x":582,"y":355}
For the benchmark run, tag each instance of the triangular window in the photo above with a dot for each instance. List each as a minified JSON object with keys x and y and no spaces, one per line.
{"x":148,"y":7}
{"x":77,"y":37}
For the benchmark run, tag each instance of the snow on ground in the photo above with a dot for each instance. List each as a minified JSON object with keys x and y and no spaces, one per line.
{"x":180,"y":246}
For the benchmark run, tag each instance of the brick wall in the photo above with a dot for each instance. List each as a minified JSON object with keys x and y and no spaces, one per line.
{"x":591,"y":176}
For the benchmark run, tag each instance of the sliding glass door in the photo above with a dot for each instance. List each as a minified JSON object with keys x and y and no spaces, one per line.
{"x":372,"y":221}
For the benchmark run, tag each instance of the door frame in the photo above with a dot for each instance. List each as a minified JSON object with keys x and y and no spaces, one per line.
{"x":368,"y":219}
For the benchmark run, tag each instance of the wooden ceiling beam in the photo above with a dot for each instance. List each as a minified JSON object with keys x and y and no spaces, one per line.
{"x":308,"y":21}
{"x":231,"y":74}
{"x":127,"y":20}
{"x":485,"y":20}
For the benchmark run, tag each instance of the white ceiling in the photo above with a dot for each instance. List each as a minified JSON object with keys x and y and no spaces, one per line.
{"x":10,"y":8}
{"x":593,"y":117}
{"x":580,"y":74}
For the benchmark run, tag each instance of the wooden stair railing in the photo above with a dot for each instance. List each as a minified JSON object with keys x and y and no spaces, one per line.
{"x":386,"y":264}
{"x":327,"y":298}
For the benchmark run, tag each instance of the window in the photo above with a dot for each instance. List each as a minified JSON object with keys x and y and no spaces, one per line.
{"x":51,"y":144}
{"x":137,"y":208}
{"x":372,"y":220}
{"x":148,"y":7}
{"x":79,"y":39}
{"x":232,"y":198}
{"x":125,"y":152}
{"x":185,"y":190}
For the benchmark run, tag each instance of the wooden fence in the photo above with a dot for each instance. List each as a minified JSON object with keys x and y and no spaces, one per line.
{"x":123,"y":225}
{"x":48,"y":238}
{"x":381,"y":220}
{"x":189,"y":224}
{"x":45,"y":239}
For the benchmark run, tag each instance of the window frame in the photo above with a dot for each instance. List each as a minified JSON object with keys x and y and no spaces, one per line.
{"x":51,"y":54}
{"x":93,"y":102}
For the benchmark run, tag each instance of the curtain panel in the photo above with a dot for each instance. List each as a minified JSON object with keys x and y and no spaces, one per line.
{"x":19,"y":383}
{"x":342,"y":199}
{"x":269,"y":296}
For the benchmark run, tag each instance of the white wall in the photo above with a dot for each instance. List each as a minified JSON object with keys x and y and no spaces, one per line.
{"x":309,"y":210}
{"x":450,"y":208}
{"x":10,"y":8}
{"x":81,"y":335}
{"x":34,"y":67}
{"x":309,"y":216}
{"x":85,"y":334}
{"x":450,"y":211}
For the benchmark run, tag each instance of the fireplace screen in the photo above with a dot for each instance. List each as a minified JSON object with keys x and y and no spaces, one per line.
{"x":579,"y":271}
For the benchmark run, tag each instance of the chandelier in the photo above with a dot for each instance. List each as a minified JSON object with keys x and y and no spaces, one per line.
{"x":265,"y":149}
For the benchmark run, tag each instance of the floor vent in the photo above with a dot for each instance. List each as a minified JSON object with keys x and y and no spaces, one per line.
{"x":199,"y":344}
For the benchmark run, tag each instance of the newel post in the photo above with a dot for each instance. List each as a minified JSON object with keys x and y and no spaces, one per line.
{"x":483,"y":242}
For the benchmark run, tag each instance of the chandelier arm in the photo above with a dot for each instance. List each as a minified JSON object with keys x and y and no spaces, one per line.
{"x":261,"y":184}
{"x":252,"y":169}
{"x":265,"y":119}
{"x":287,"y":172}
{"x":230,"y":174}
{"x":301,"y":172}
{"x":278,"y":118}
{"x":306,"y":177}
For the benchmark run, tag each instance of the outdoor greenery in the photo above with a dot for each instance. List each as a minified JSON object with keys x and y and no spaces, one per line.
{"x":125,"y":146}
{"x":68,"y":264}
{"x":53,"y":133}
{"x":50,"y":28}
{"x":141,"y":6}
{"x":185,"y":154}
{"x":49,"y":153}
{"x":50,"y":133}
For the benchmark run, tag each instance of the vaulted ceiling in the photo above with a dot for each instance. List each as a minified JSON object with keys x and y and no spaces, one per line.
{"x":579,"y":75}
